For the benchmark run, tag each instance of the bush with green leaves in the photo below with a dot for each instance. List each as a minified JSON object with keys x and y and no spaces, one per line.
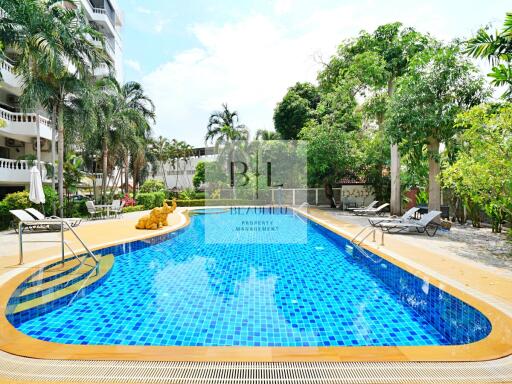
{"x":51,"y":197}
{"x":147,"y":199}
{"x":5,"y":216}
{"x":159,"y":198}
{"x":151,"y":199}
{"x":152,"y":185}
{"x":199,"y":175}
{"x":208,"y":202}
{"x":482,"y":173}
{"x":18,"y":200}
{"x":133,"y":208}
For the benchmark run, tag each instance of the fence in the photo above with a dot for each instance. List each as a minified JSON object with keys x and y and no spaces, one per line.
{"x":349,"y":195}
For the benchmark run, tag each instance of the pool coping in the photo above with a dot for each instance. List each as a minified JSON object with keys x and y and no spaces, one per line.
{"x":496,"y":345}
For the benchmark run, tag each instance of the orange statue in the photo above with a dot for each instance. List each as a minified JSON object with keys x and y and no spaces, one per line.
{"x":157,"y":218}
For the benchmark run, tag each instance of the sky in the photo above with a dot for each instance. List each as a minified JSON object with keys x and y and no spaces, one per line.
{"x":192,"y":56}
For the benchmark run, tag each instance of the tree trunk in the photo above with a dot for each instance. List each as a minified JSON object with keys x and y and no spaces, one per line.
{"x":127,"y":173}
{"x":329,"y":194}
{"x":60,"y":150}
{"x":104,"y":172}
{"x":434,"y":168}
{"x":162,"y":164}
{"x":396,"y":196}
{"x":54,"y":139}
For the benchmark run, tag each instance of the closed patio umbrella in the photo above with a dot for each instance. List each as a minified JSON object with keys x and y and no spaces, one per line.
{"x":36,"y":187}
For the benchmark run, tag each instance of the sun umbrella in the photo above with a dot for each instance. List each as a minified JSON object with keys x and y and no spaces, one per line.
{"x":36,"y":186}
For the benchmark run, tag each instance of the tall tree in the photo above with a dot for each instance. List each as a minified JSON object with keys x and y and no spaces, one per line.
{"x":374,"y":62}
{"x":295,"y":110}
{"x":332,"y":154}
{"x":439,"y":84}
{"x":224,"y":126}
{"x":55,"y":50}
{"x":497,"y":48}
{"x":161,"y":150}
{"x":482,"y":173}
{"x":118,"y":123}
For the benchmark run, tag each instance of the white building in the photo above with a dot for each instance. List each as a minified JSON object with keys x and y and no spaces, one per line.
{"x":22,"y":132}
{"x":179,"y":173}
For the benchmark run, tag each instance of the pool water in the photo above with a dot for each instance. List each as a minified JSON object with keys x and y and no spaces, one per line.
{"x":293,"y":283}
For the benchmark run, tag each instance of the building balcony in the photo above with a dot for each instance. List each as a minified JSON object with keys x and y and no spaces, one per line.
{"x":109,"y":47}
{"x":10,"y":80}
{"x":25,"y":126}
{"x":18,"y":171}
{"x":102,"y":12}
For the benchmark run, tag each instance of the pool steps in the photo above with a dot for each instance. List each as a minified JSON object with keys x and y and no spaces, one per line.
{"x":59,"y":281}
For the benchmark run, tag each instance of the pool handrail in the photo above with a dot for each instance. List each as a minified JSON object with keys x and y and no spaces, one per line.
{"x":63,"y":243}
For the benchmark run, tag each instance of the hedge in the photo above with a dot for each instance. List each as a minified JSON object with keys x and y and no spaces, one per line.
{"x":218,"y":202}
{"x":151,"y":199}
{"x":133,"y":208}
{"x":5,"y":216}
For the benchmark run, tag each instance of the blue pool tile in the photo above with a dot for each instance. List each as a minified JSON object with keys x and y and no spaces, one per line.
{"x":253,"y":289}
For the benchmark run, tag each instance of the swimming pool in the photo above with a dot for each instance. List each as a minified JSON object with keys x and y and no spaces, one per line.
{"x":251,"y":278}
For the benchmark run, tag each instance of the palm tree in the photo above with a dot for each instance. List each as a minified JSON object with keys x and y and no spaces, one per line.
{"x":136,"y":99}
{"x":497,"y":49}
{"x":55,"y":51}
{"x":161,"y":149}
{"x":263,"y":134}
{"x":119,"y":125}
{"x":223,"y":126}
{"x":179,"y":152}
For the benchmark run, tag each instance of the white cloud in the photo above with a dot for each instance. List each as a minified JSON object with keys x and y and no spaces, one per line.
{"x":283,"y":6}
{"x":159,"y":26}
{"x":134,"y":64}
{"x":248,"y":64}
{"x":251,"y":62}
{"x":144,"y":10}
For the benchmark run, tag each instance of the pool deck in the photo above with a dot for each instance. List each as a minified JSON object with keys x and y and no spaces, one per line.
{"x":491,"y":285}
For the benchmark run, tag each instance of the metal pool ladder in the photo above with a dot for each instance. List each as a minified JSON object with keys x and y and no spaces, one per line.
{"x":64,"y":243}
{"x":365,"y":232}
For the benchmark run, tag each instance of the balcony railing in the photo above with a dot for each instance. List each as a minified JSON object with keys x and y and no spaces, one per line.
{"x":109,"y":46}
{"x":8,"y":75}
{"x":18,"y":171}
{"x":25,"y":124}
{"x":5,"y":65}
{"x":18,"y":117}
{"x":111,"y":16}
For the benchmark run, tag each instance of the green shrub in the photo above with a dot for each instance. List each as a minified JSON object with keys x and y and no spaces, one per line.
{"x":159,"y":198}
{"x":147,"y":199}
{"x":151,"y":199}
{"x":134,"y":208}
{"x":152,"y":185}
{"x":5,"y":216}
{"x":17,"y":200}
{"x":202,"y":202}
{"x":50,"y":196}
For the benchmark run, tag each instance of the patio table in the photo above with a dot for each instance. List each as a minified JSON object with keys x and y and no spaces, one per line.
{"x":108,"y":207}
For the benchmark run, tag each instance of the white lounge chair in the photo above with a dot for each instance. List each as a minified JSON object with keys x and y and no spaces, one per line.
{"x":409,"y":215}
{"x":371,"y":211}
{"x":92,"y":210}
{"x":31,"y":223}
{"x":424,"y":225}
{"x":73,"y":221}
{"x":370,"y":206}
